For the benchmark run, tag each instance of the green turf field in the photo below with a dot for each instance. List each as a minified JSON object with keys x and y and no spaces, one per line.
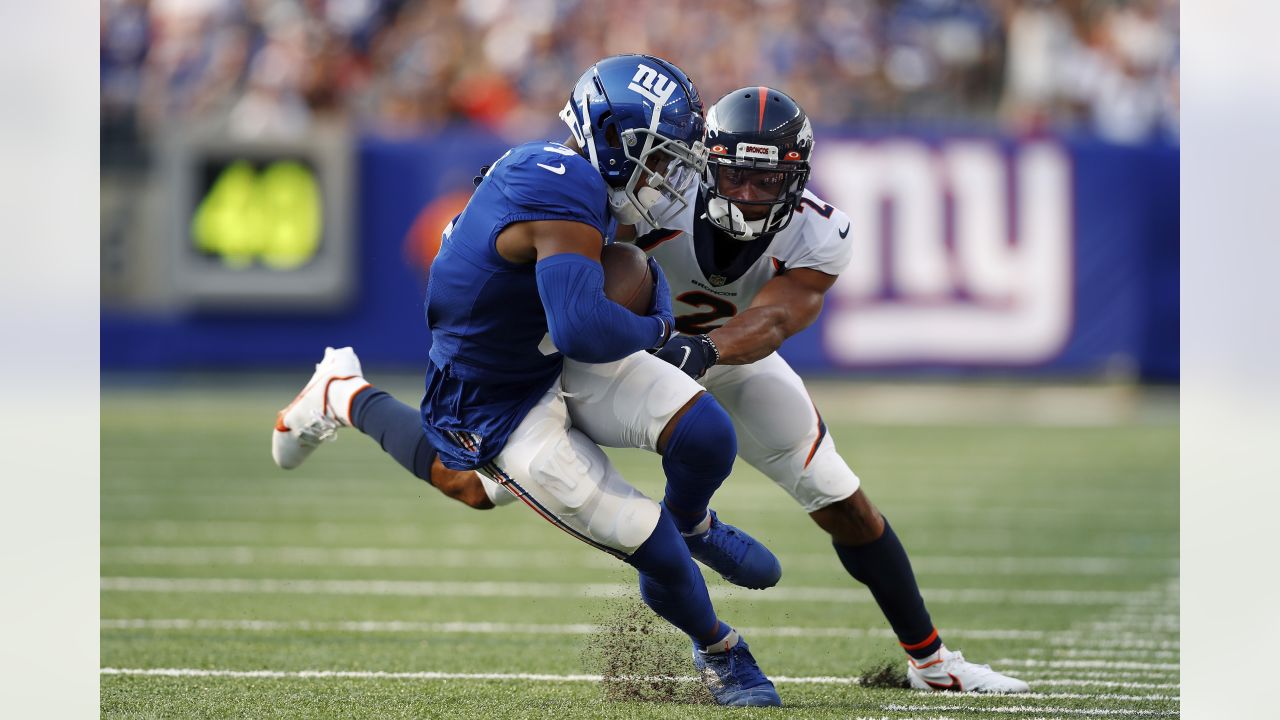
{"x":347,"y":588}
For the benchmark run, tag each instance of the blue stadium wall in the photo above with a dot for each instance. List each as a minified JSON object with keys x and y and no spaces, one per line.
{"x":975,"y":254}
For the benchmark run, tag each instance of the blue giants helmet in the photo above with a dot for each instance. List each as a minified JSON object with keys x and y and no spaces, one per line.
{"x":639,"y":120}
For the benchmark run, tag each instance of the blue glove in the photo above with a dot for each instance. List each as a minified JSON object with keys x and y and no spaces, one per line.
{"x":660,"y":304}
{"x":693,"y":354}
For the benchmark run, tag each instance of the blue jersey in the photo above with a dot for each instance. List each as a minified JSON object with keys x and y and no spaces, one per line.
{"x":489,"y":363}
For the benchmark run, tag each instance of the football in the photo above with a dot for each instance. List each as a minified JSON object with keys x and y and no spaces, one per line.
{"x":627,"y":280}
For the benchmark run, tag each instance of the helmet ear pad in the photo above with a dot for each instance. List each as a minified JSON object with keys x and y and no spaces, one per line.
{"x":609,"y":130}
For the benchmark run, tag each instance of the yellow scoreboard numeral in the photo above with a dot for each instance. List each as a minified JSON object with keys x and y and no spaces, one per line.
{"x":274,"y":216}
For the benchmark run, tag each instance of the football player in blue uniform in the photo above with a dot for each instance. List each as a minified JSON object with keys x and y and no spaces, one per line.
{"x":533,"y":368}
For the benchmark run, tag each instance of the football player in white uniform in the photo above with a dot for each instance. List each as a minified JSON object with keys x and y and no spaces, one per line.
{"x":748,"y":263}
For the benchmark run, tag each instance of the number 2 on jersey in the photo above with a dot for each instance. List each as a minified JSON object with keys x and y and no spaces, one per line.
{"x":703,"y":322}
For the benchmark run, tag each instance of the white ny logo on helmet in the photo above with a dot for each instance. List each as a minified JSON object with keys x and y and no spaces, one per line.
{"x":652,"y":85}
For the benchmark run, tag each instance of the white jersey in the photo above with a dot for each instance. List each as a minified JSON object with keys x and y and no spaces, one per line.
{"x":704,"y":296}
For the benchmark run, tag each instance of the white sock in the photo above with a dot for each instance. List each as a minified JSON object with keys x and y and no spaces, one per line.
{"x":340,"y":395}
{"x":724,"y":645}
{"x":930,"y":658}
{"x":701,"y":527}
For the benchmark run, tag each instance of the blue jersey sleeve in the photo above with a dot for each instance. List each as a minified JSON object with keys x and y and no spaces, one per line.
{"x":548,"y":181}
{"x":584,"y":324}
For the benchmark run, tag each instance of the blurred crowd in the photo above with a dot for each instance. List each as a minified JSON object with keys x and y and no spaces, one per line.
{"x":267,"y":67}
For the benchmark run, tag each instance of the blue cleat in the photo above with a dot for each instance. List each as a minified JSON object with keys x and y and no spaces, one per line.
{"x":734,"y":678}
{"x":738,"y":557}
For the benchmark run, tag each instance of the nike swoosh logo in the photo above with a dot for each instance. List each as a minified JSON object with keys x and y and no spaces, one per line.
{"x":559,"y":169}
{"x":843,"y":233}
{"x":684,"y":359}
{"x":954,"y":686}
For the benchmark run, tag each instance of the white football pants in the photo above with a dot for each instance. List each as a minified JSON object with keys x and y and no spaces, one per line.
{"x":780,"y":433}
{"x":553,"y":462}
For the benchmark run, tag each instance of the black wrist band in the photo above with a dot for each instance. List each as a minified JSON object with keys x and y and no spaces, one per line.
{"x":715,"y":351}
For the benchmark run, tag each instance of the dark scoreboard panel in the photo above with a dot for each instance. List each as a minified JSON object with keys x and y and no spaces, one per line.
{"x":261,"y":225}
{"x":258,"y":212}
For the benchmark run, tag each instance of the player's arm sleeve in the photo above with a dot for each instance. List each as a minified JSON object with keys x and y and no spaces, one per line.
{"x":585,"y":325}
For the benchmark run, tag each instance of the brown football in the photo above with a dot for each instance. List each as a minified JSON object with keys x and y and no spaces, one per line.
{"x":627,"y":280}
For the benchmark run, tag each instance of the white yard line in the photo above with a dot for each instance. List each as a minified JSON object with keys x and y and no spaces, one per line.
{"x":467,"y":557}
{"x":547,"y":677}
{"x":1088,"y":664}
{"x":429,"y":588}
{"x":1057,"y":681}
{"x":1075,"y":653}
{"x":499,"y":628}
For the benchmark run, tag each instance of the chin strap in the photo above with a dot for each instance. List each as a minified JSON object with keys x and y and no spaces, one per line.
{"x":625,"y":211}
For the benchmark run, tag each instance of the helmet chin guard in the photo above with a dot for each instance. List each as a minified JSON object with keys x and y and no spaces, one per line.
{"x":726,"y":216}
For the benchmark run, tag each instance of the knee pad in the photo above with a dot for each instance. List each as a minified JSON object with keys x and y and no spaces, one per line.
{"x":588,"y":493}
{"x":703,"y":442}
{"x":825,"y":479}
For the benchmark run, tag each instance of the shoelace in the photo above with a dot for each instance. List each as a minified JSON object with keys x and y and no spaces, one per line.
{"x":746,"y":673}
{"x":741,"y":671}
{"x":726,"y":540}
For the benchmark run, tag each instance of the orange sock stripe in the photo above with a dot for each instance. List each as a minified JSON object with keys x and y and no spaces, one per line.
{"x":351,"y":405}
{"x":916,"y":646}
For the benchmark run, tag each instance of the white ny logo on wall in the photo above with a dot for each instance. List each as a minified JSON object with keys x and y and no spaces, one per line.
{"x":961,"y":253}
{"x":652,"y":85}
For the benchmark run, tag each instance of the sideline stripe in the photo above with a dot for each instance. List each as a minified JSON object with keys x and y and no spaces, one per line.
{"x":546,"y":677}
{"x":1087,"y":664}
{"x":432,"y":588}
{"x":1058,"y":653}
{"x":1071,"y":638}
{"x":1084,"y":682}
{"x":1025,"y":710}
{"x":469,"y":557}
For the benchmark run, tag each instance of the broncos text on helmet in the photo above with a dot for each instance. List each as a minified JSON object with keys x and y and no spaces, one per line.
{"x":759,"y":142}
{"x":639,"y":120}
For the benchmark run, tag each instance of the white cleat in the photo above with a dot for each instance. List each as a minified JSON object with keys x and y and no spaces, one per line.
{"x":320,"y":409}
{"x":949,"y":671}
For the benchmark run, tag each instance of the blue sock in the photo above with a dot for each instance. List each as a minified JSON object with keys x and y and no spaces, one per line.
{"x":882,"y":566}
{"x":672,"y":586}
{"x":397,"y":428}
{"x":698,"y":457}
